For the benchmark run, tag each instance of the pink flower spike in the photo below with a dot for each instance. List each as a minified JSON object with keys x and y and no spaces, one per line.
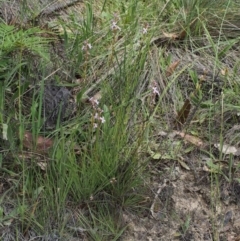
{"x":96,"y":116}
{"x":95,"y":125}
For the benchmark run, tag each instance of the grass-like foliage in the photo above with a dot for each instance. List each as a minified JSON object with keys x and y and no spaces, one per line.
{"x":93,"y":160}
{"x":75,"y":160}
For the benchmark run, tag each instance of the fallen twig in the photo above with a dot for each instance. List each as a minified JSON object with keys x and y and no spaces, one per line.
{"x":160,"y":188}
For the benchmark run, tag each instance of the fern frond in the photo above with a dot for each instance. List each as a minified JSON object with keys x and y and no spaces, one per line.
{"x":12,"y":39}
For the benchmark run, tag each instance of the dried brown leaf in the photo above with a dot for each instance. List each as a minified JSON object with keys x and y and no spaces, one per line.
{"x":184,"y":165}
{"x":224,"y":71}
{"x":182,"y":35}
{"x":171,"y":36}
{"x":28,"y":140}
{"x":227,"y":149}
{"x":175,"y":36}
{"x":43,"y":144}
{"x":166,"y":37}
{"x":42,"y":165}
{"x":183,"y":114}
{"x":191,"y":139}
{"x":171,"y":68}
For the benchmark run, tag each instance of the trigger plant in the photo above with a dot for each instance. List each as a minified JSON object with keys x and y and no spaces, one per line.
{"x":97,"y":117}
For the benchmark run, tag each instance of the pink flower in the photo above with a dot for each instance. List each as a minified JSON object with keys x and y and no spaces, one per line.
{"x":155,"y":90}
{"x":145,"y":30}
{"x":102,"y":119}
{"x":94,"y":101}
{"x":96,"y":116}
{"x":86,"y":46}
{"x":89,"y":46}
{"x":114,"y":26}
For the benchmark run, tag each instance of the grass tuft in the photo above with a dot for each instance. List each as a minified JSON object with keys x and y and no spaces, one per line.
{"x":92,"y":103}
